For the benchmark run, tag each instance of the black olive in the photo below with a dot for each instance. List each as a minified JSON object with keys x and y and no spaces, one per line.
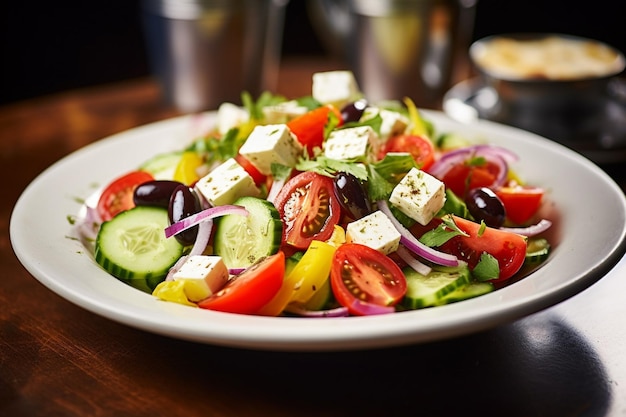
{"x":352,"y":112}
{"x":352,"y":196}
{"x":483,"y":204}
{"x":154,"y":193}
{"x":183,"y":203}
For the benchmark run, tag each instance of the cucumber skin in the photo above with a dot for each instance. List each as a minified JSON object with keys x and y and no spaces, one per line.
{"x":145,"y":279}
{"x":471,"y":290}
{"x":258,"y":208}
{"x":413,"y":300}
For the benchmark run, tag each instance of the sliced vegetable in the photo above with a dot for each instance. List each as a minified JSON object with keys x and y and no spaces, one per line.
{"x":312,"y":271}
{"x":521,"y":202}
{"x":537,"y":251}
{"x":188,"y":170}
{"x":509,"y":249}
{"x":242,"y":241}
{"x":310,"y":128}
{"x":414,"y":245}
{"x":365,"y":281}
{"x":428,"y":290}
{"x":420,"y":148}
{"x":256,"y":175}
{"x":472,"y":167}
{"x":133,"y":248}
{"x":305,"y":279}
{"x":308,"y":208}
{"x":118,"y":195}
{"x":205,"y":214}
{"x":249,"y":291}
{"x":162,"y":166}
{"x":471,"y":290}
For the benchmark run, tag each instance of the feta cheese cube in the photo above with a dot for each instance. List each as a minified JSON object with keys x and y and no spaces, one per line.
{"x":230,"y":115}
{"x":393,"y":123}
{"x":226,"y":183}
{"x":360,"y":142}
{"x":269,"y":144}
{"x":335,"y":87}
{"x":374,"y":230}
{"x":202,"y":275}
{"x":419,"y":195}
{"x":283,"y":112}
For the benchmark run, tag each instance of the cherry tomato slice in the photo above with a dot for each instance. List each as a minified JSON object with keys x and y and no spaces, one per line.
{"x":420,"y":148}
{"x":256,"y":175}
{"x":520,"y":203}
{"x":118,"y":195}
{"x":309,"y":128}
{"x":308,"y":208}
{"x":365,"y":280}
{"x":248,"y":292}
{"x":463,"y":177}
{"x":508,"y":248}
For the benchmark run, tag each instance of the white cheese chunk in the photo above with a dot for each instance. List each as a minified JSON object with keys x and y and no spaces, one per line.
{"x":393,"y":123}
{"x":229,"y":116}
{"x":226,"y":183}
{"x":269,"y":144}
{"x":360,"y":143}
{"x":335,"y":87}
{"x":419,"y":195}
{"x":374,"y":230}
{"x":202,"y":275}
{"x":283,"y":112}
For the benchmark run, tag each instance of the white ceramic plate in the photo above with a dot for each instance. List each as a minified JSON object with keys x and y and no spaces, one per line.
{"x":590,"y":240}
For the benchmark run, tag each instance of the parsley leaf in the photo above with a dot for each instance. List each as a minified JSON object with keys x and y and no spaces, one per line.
{"x":384,"y":175}
{"x":375,"y":122}
{"x":329,"y":167}
{"x":442,"y":233}
{"x":255,"y":108}
{"x":280,"y":172}
{"x":454,"y":205}
{"x":487,"y":268}
{"x":331,"y":123}
{"x":309,"y":102}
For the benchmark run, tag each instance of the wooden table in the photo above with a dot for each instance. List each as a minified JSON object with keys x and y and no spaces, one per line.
{"x":57,"y":359}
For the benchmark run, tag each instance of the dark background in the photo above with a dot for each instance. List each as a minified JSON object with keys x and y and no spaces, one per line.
{"x":46,"y":47}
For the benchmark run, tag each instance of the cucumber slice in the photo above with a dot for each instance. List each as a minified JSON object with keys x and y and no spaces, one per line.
{"x":322,"y":297}
{"x":537,"y":251}
{"x":451,"y":141}
{"x":162,"y":166}
{"x":132,"y":247}
{"x":471,"y":290}
{"x":241,"y":241}
{"x":428,"y":290}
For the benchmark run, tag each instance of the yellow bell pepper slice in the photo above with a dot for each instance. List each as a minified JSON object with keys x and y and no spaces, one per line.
{"x":305,"y":279}
{"x":187,"y":170}
{"x":173,"y":291}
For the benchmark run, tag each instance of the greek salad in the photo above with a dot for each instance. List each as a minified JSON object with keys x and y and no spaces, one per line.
{"x":321,"y":206}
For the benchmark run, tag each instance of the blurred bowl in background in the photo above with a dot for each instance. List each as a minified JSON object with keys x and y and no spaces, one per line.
{"x":563,"y":87}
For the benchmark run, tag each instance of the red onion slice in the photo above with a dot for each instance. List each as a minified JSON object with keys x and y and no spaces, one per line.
{"x":202,"y":239}
{"x":206,"y":214}
{"x":363,"y":308}
{"x":414,"y":263}
{"x":414,"y":245}
{"x":333,"y":312}
{"x":494,"y":154}
{"x":236,"y":271}
{"x":533,"y":230}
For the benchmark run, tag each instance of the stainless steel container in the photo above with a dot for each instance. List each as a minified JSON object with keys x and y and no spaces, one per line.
{"x":399,"y":48}
{"x":205,"y":52}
